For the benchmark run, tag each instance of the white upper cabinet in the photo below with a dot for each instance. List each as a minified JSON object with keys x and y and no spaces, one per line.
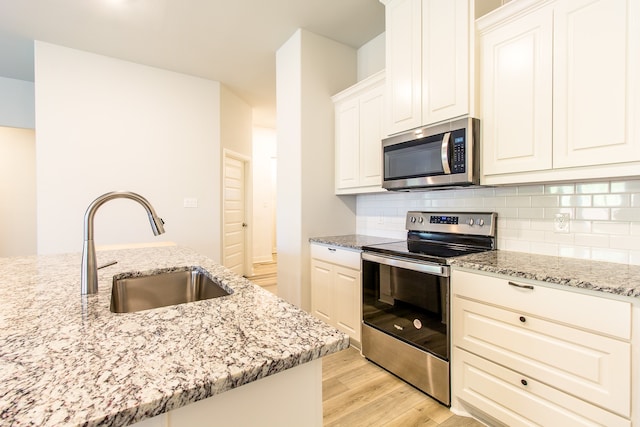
{"x":358,"y":145}
{"x":428,"y":61}
{"x":516,"y":71}
{"x":403,"y":52}
{"x":560,"y":90}
{"x":596,"y":59}
{"x":445,"y":59}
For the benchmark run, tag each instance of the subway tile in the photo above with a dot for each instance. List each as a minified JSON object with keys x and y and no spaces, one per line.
{"x":579,"y":226}
{"x":519,"y":224}
{"x":505,"y":191}
{"x":634,"y":228}
{"x":559,"y":238}
{"x":516,"y":245}
{"x":544,"y":201}
{"x":518,"y":202}
{"x":609,"y":227}
{"x":484,"y":192}
{"x":574,"y":252}
{"x":560,"y":189}
{"x":541,"y":224}
{"x":507,"y":212}
{"x":628,"y":186}
{"x":532,"y":213}
{"x":610,"y":255}
{"x":625,"y":214}
{"x":635,"y":200}
{"x":625,"y":242}
{"x":592,"y":187}
{"x":593,"y":213}
{"x":598,"y":240}
{"x":542,"y":248}
{"x":491,"y":202}
{"x":611,"y":200}
{"x":575,"y":201}
{"x":634,"y":257}
{"x":530,"y":189}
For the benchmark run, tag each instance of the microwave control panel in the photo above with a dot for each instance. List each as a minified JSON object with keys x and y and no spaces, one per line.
{"x":459,"y":148}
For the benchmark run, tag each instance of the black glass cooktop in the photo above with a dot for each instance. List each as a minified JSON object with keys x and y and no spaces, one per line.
{"x":433,"y":247}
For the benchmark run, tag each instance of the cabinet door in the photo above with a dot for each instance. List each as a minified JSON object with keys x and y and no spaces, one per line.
{"x":586,"y":365}
{"x":445,"y":59}
{"x":403,"y":65}
{"x":347,"y":144}
{"x":516,"y":85}
{"x":596,"y":62}
{"x":321,"y":285}
{"x":371,"y":134}
{"x":516,"y":400}
{"x":347,"y":301}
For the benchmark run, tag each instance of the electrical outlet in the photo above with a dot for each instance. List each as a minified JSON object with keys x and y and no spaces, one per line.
{"x":561,"y":223}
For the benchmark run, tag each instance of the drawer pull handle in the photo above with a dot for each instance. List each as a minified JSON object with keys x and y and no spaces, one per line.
{"x":517,"y":285}
{"x":523,"y":382}
{"x":523,"y":319}
{"x":331,"y":249}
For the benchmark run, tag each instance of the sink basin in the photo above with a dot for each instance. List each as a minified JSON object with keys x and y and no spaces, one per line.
{"x":135,"y":293}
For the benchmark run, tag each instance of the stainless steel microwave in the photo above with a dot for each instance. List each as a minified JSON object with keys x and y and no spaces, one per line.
{"x":442,"y":155}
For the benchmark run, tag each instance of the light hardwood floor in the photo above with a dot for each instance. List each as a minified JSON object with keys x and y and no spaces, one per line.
{"x":356,"y":392}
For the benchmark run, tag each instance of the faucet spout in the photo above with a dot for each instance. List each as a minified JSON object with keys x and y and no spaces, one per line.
{"x":89,"y":273}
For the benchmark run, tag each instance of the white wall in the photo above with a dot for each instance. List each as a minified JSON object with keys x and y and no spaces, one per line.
{"x":309,"y":70}
{"x":106,"y":124}
{"x":604,"y":225}
{"x":264,"y":193}
{"x":17,"y":192}
{"x":371,"y":57}
{"x":17,"y":100}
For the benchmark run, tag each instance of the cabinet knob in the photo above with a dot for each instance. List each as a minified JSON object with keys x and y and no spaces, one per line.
{"x":523,"y":382}
{"x":523,"y":319}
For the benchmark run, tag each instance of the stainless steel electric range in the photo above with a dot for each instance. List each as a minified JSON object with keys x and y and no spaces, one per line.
{"x":405,"y":298}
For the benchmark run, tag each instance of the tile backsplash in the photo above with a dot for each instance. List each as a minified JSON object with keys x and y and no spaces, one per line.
{"x":604,"y":216}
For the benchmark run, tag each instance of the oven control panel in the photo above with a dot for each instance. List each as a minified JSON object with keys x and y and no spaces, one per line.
{"x":478,"y":223}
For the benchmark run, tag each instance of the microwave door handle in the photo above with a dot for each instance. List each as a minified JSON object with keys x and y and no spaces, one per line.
{"x":444,"y":153}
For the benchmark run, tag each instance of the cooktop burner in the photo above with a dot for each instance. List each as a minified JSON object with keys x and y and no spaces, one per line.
{"x":437,"y":236}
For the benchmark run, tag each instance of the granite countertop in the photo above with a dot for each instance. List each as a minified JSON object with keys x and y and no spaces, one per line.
{"x":65,"y":361}
{"x":612,"y":278}
{"x":352,"y":241}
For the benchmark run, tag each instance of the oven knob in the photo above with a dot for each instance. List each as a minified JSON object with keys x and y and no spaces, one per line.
{"x":412,"y":219}
{"x":471,"y":222}
{"x":480,"y":222}
{"x":420,"y":220}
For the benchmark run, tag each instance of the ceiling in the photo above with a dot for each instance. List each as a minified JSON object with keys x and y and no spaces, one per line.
{"x":231,"y":41}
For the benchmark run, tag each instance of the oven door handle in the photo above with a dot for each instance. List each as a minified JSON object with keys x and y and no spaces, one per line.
{"x":436,"y":269}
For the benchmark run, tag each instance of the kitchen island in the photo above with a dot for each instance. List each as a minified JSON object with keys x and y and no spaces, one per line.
{"x":67,"y":360}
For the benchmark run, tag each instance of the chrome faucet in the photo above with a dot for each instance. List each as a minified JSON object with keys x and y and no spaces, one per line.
{"x":89,"y":278}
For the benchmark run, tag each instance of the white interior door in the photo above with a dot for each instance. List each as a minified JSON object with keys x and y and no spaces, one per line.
{"x":234,"y":214}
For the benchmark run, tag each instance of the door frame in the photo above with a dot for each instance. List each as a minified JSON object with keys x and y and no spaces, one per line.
{"x":248,"y":207}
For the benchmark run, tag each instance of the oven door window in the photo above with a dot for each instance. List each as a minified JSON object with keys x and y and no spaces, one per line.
{"x":409,"y":305}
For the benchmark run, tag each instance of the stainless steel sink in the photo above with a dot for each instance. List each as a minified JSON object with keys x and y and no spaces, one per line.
{"x":135,"y":293}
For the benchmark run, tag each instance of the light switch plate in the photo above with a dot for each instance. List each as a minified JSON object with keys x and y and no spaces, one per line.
{"x":190,"y":202}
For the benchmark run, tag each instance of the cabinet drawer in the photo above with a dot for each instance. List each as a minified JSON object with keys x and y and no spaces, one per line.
{"x":602,"y":315}
{"x":335,"y":255}
{"x":516,"y":400}
{"x":586,"y":365}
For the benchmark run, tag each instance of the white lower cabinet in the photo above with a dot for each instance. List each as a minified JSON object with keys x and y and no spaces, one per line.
{"x":336,"y":290}
{"x":526,"y":354}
